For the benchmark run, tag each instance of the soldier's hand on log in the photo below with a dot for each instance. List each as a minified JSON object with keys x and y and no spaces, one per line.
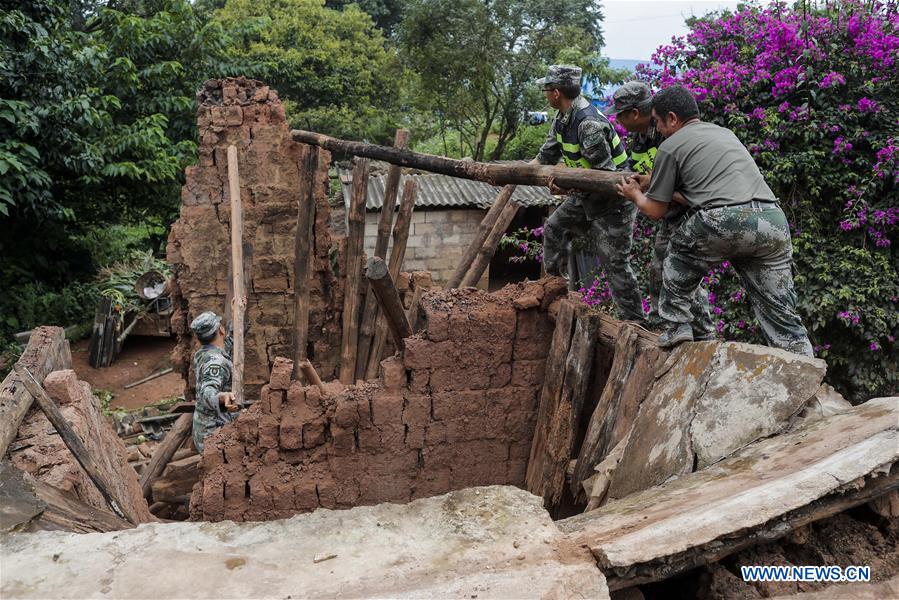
{"x":228,"y":400}
{"x":556,"y":190}
{"x":643,"y":180}
{"x":628,"y":188}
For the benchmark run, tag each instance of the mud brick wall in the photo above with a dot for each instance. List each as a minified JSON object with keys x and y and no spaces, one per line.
{"x":456,"y":410}
{"x":40,"y":451}
{"x":249,"y":115}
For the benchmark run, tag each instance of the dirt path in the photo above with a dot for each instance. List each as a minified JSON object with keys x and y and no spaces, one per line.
{"x":141,"y":356}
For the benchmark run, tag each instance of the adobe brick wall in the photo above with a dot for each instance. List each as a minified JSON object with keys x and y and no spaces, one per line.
{"x":250,"y":115}
{"x":456,"y":410}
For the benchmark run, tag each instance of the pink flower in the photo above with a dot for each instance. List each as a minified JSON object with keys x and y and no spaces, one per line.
{"x":831,"y":79}
{"x":867,"y":105}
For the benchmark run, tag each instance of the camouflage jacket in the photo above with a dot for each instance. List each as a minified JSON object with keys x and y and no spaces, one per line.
{"x":212,"y":366}
{"x":643,"y":148}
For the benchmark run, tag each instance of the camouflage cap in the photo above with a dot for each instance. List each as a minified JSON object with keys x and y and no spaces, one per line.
{"x":206,"y":325}
{"x":560,"y":76}
{"x":633,"y":94}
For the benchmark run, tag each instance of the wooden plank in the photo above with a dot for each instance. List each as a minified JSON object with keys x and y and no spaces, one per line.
{"x":165,"y":450}
{"x":549,"y":395}
{"x":751,"y":489}
{"x":388,"y":297}
{"x":303,"y":250}
{"x":47,"y":351}
{"x":239,"y":301}
{"x":385,"y":225}
{"x":591,"y":180}
{"x":355,"y":240}
{"x":397,"y":255}
{"x":412,"y":313}
{"x":484,"y":228}
{"x":488,"y":248}
{"x":72,"y":441}
{"x":177,"y":481}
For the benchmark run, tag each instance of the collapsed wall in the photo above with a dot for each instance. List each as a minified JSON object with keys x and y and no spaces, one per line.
{"x":457,"y":410}
{"x":249,"y":115}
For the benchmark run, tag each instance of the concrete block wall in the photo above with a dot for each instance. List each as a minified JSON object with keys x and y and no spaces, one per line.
{"x":437,"y":239}
{"x":456,"y":410}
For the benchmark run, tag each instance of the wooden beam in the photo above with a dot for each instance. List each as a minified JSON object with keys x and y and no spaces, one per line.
{"x":239,"y":300}
{"x":488,"y":248}
{"x":397,"y":254}
{"x":164,"y":451}
{"x":72,"y":441}
{"x":303,"y":250}
{"x":311,"y":375}
{"x":591,"y":180}
{"x":412,"y":313}
{"x":389,"y":300}
{"x":354,"y":246}
{"x":385,"y":224}
{"x":484,"y":229}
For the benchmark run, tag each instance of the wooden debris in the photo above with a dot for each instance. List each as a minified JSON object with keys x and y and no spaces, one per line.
{"x":488,"y":248}
{"x":303,"y":250}
{"x":311,"y":375}
{"x":355,"y":239}
{"x":590,"y":180}
{"x":484,"y":229}
{"x":150,"y":377}
{"x":176,"y":483}
{"x":389,"y":300}
{"x":72,"y":441}
{"x":759,"y":494}
{"x":239,"y":300}
{"x":165,"y":450}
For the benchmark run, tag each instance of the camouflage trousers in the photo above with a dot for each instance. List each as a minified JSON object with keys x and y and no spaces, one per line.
{"x":755,"y":238}
{"x":606,"y":237}
{"x":703,"y":326}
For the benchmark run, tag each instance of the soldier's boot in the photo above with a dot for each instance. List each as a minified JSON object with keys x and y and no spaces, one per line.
{"x":675,"y":335}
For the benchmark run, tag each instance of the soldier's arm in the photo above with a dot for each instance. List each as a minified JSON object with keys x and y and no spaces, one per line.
{"x":551,"y":151}
{"x":594,"y":141}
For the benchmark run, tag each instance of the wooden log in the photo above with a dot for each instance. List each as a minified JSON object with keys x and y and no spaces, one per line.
{"x":165,"y":450}
{"x":355,"y":240}
{"x":591,"y":180}
{"x":488,"y":248}
{"x":311,"y":375}
{"x":239,"y":300}
{"x":303,"y":249}
{"x":412,"y":313}
{"x":150,"y":377}
{"x":484,"y":229}
{"x":177,"y":480}
{"x":72,"y":442}
{"x":397,"y":254}
{"x":389,"y":300}
{"x":549,"y":395}
{"x":385,"y":224}
{"x":47,"y":351}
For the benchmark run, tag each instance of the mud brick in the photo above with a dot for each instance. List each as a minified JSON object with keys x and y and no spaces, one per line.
{"x":432,"y":483}
{"x":420,"y":381}
{"x":274,"y":401}
{"x":270,"y":458}
{"x":290,"y":433}
{"x":392,"y":437}
{"x":64,"y":387}
{"x":268,"y":431}
{"x":283,"y":495}
{"x":213,"y":456}
{"x":387,"y":408}
{"x":314,"y":397}
{"x":292,"y":457}
{"x":437,"y":324}
{"x":528,"y":372}
{"x":313,"y":434}
{"x":520,"y":425}
{"x":414,"y":436}
{"x":248,"y":428}
{"x":296,"y":394}
{"x":418,"y":353}
{"x":346,"y":413}
{"x":513,"y":398}
{"x":234,"y":452}
{"x":450,"y":405}
{"x":213,"y":497}
{"x":393,"y":374}
{"x":501,"y":376}
{"x":305,"y":498}
{"x":417,"y":410}
{"x":281,"y":372}
{"x":261,"y":497}
{"x":347,"y":494}
{"x":449,"y":379}
{"x":516,"y":472}
{"x":343,"y":440}
{"x":435,"y":434}
{"x":520,"y":450}
{"x":327,"y":493}
{"x":369,"y":439}
{"x":235,"y":488}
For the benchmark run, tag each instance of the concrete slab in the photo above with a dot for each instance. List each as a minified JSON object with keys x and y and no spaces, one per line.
{"x":489,"y":542}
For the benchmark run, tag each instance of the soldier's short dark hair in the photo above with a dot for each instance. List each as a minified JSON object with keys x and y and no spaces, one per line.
{"x":570,"y":91}
{"x":675,"y":99}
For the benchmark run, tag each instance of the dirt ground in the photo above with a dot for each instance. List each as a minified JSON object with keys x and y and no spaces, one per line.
{"x":140,"y":356}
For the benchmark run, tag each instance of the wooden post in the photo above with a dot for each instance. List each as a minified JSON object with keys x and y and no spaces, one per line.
{"x":303,"y":250}
{"x":72,"y":441}
{"x":165,"y":451}
{"x":484,"y":229}
{"x":355,"y":239}
{"x":397,"y":254}
{"x":389,"y":299}
{"x":488,"y":248}
{"x":590,"y":180}
{"x":412,"y":313}
{"x":239,"y":300}
{"x":311,"y":375}
{"x":385,"y":224}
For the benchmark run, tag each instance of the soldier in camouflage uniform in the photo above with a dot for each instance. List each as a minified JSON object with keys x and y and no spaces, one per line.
{"x":732,"y":215}
{"x":584,"y":138}
{"x":632,"y":107}
{"x":215,"y":405}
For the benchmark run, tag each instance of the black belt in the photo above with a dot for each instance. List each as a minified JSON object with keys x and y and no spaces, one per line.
{"x":695,"y":209}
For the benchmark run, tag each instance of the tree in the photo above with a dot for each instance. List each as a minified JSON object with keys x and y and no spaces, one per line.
{"x":385,"y":13}
{"x":476,"y":59}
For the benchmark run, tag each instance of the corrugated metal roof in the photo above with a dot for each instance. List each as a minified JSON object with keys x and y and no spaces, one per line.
{"x":444,"y":191}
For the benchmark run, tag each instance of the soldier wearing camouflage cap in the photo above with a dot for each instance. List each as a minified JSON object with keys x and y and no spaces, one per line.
{"x":732,"y":215}
{"x":582,"y":137}
{"x":632,"y":107}
{"x":215,"y":405}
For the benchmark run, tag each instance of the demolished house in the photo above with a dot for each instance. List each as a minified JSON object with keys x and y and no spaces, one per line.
{"x":513,"y":444}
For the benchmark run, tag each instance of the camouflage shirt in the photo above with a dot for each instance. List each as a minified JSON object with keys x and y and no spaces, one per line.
{"x":593,"y":136}
{"x":212,"y":366}
{"x":643,"y":148}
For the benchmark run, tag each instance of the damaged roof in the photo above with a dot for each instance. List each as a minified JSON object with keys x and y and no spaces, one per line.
{"x":437,"y":191}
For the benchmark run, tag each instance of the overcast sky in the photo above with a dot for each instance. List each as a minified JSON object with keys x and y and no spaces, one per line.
{"x":635,"y":28}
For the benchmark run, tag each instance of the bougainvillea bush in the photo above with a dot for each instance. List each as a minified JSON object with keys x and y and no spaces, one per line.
{"x":813,"y":93}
